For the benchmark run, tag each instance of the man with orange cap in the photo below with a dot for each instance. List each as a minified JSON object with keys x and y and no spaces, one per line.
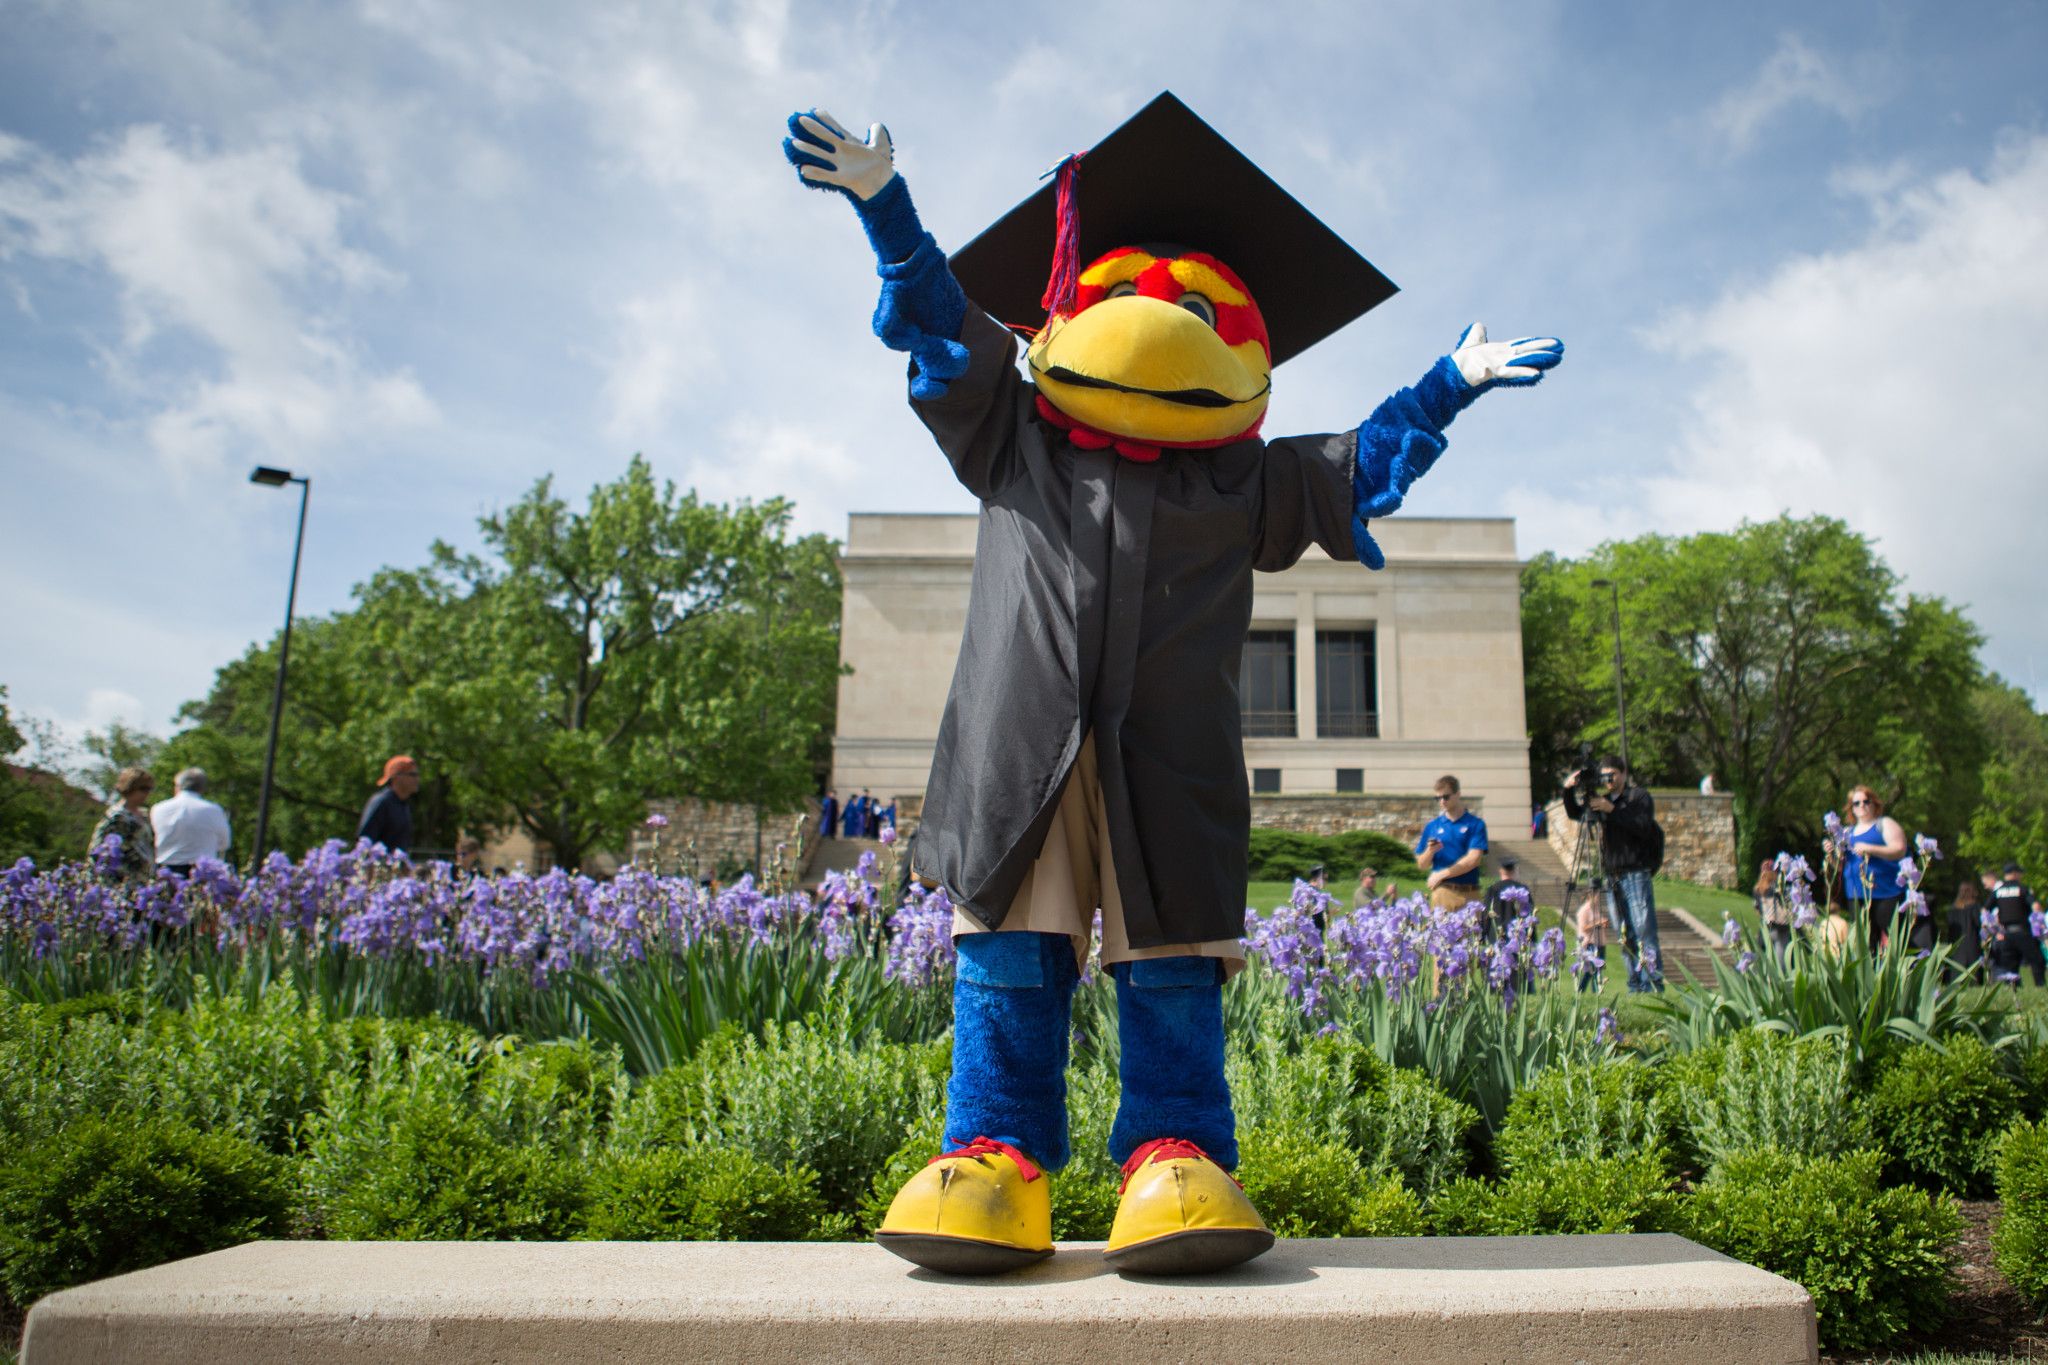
{"x":387,"y":819}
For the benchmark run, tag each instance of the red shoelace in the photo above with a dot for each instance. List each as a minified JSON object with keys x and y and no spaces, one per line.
{"x":987,"y":1147}
{"x":1166,"y":1149}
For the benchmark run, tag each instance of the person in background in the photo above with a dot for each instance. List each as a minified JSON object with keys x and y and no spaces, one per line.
{"x":1707,"y":787}
{"x":1539,"y":822}
{"x":387,"y":818}
{"x":888,"y":817}
{"x":1367,"y":890}
{"x":2013,"y":905}
{"x":188,"y":827}
{"x":828,"y":814}
{"x":1773,"y":910}
{"x":1592,"y":927}
{"x":469,"y":856}
{"x":1870,"y":874}
{"x":1451,"y":848}
{"x":126,"y":821}
{"x":1966,"y":927}
{"x":1631,"y":850}
{"x":1500,"y":908}
{"x":1319,"y":877}
{"x":853,"y":820}
{"x":870,"y":815}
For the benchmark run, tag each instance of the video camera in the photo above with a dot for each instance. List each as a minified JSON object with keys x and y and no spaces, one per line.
{"x":1587,"y":786}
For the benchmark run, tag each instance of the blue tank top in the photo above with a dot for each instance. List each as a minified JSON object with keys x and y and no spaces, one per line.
{"x":1883,"y":873}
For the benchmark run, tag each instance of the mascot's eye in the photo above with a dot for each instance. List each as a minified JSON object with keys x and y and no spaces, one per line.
{"x":1122,"y":291}
{"x":1200,"y":306}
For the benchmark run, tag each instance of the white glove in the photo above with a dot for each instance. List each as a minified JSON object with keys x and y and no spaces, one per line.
{"x":1483,"y":363}
{"x":859,"y":168}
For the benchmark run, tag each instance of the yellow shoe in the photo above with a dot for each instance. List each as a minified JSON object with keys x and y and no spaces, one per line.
{"x":1182,"y":1214}
{"x":977,"y":1210}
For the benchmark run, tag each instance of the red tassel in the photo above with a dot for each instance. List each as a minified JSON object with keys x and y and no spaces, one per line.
{"x":1060,"y":287}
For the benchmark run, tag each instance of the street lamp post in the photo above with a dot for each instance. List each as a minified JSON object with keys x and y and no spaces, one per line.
{"x":1620,"y":699}
{"x":278,"y":478}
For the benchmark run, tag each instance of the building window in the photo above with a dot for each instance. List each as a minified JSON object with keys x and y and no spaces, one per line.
{"x":1351,"y":780}
{"x":1266,"y":781}
{"x":1347,"y":686}
{"x":1265,"y":684}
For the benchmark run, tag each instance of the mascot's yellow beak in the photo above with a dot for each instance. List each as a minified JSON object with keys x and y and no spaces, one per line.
{"x":1169,"y":351}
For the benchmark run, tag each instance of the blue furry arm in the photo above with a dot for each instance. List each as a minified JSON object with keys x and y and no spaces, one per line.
{"x":922,"y":305}
{"x":1397,"y":445}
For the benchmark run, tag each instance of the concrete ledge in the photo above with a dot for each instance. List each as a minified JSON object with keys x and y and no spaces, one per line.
{"x":1637,"y":1299}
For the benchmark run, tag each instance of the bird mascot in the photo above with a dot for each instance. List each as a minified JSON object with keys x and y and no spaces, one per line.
{"x":1090,"y":756}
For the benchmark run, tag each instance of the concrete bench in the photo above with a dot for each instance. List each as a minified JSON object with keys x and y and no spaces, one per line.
{"x":1637,"y":1299}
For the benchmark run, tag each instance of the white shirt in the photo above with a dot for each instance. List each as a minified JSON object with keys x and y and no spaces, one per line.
{"x":188,"y":827}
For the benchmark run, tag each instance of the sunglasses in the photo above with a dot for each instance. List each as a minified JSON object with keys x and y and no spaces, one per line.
{"x":1446,"y":796}
{"x":1859,"y":801}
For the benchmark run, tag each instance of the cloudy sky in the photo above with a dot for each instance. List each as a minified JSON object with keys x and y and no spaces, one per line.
{"x":428,"y":251}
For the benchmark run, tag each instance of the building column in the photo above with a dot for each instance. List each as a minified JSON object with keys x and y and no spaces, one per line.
{"x":1305,"y":665}
{"x":1387,"y":660}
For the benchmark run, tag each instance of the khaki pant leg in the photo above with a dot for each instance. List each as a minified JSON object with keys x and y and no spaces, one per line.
{"x":1074,"y":875}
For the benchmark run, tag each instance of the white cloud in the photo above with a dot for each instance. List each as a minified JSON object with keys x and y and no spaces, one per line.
{"x":225,"y":248}
{"x":661,"y":358}
{"x":1892,"y":384}
{"x":1793,"y":74}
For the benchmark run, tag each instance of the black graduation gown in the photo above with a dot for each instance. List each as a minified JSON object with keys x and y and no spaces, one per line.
{"x":1111,"y":595}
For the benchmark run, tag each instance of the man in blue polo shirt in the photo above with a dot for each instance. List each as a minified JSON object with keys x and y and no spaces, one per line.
{"x":1451,"y":849}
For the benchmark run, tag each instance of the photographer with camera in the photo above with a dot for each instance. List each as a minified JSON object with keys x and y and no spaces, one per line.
{"x":1631,"y":851}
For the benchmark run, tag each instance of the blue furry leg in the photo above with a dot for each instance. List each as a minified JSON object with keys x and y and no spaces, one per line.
{"x":1170,"y":1024}
{"x":1013,"y":1001}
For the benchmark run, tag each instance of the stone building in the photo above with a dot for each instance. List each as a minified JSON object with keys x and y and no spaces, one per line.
{"x":1359,"y":689}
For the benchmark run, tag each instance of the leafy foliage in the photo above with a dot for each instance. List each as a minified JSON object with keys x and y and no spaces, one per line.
{"x":2020,"y":1241}
{"x":1335,"y":1090}
{"x":1587,"y":1111}
{"x":1752,"y":654}
{"x":800,"y":1094}
{"x":440,"y":1174}
{"x":1872,"y":1001}
{"x":648,"y":644}
{"x":1875,"y":1260}
{"x":1283,"y":854}
{"x":106,"y":1195}
{"x":1596,"y":1194}
{"x":701,"y":1194}
{"x":1762,"y":1091}
{"x":1938,"y":1113}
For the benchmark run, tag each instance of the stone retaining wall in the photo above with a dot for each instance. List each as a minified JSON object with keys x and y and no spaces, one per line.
{"x":1401,"y":816}
{"x":722,"y":832}
{"x":1699,"y":836}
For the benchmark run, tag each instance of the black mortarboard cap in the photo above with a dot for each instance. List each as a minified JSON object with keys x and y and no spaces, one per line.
{"x":1167,"y":177}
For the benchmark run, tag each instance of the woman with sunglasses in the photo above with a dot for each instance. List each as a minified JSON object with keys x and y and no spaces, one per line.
{"x":1870,"y":874}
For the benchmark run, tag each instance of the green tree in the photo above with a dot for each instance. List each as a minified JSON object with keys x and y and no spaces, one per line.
{"x":582,"y":662}
{"x":42,"y":816}
{"x":340,"y":722}
{"x":1782,"y":657}
{"x":119,"y":746}
{"x":1563,"y":704}
{"x":2011,"y":822}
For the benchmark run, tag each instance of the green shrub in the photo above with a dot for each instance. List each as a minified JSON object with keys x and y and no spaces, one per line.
{"x":796,"y":1095}
{"x":251,"y":1069}
{"x":440,"y":1175}
{"x":1762,"y":1090}
{"x":1938,"y":1114}
{"x":111,"y":1195}
{"x":561,"y":1095}
{"x":1875,"y":1260}
{"x":1594,"y":1194}
{"x":1387,"y":1208}
{"x":1304,"y":1186}
{"x":1584,"y":1110}
{"x":1278,"y":855}
{"x":701,"y":1194}
{"x":926,"y":1137}
{"x":1336,"y":1089}
{"x":55,"y":1072}
{"x":2020,"y":1241}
